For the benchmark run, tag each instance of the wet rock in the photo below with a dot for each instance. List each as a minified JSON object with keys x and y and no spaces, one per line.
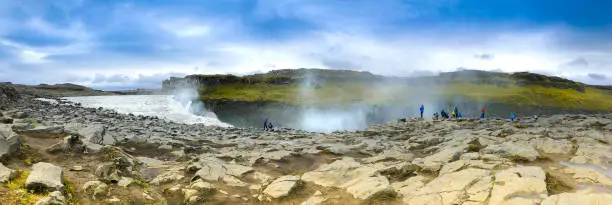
{"x":578,"y":198}
{"x":282,"y":186}
{"x":363,"y":182}
{"x":45,"y":177}
{"x":9,"y":141}
{"x":316,"y":199}
{"x":6,"y":174}
{"x":54,"y":198}
{"x":513,"y":151}
{"x":519,"y":185}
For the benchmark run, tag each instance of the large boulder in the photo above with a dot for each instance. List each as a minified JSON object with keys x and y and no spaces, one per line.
{"x":94,"y":135}
{"x":107,"y":172}
{"x":6,"y":174}
{"x":45,"y":177}
{"x":70,"y":144}
{"x":96,"y":189}
{"x":363,"y":182}
{"x":9,"y":141}
{"x":519,"y":185}
{"x":282,"y":186}
{"x":118,"y":164}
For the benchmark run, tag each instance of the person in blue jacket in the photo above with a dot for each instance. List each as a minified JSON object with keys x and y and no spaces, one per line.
{"x":422,"y":108}
{"x":512,"y":116}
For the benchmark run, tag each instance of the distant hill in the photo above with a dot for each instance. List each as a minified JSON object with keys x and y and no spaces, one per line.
{"x":321,"y":87}
{"x":57,"y":90}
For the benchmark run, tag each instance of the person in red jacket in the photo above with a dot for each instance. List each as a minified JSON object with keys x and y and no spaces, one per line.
{"x":484,"y":113}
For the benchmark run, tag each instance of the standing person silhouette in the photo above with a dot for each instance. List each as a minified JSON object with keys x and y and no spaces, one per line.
{"x":422,"y":108}
{"x":266,"y":124}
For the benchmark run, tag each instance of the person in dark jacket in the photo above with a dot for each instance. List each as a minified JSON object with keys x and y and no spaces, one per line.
{"x":266,"y":124}
{"x":444,"y":114}
{"x":270,"y":126}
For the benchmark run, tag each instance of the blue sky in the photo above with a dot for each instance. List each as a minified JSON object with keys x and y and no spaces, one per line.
{"x":110,"y":44}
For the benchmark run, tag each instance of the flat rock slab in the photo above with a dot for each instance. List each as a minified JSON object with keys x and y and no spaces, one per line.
{"x":46,"y":129}
{"x":519,"y":185}
{"x":513,"y":150}
{"x":282,"y":186}
{"x":578,"y":198}
{"x":45,"y":176}
{"x":361,"y":181}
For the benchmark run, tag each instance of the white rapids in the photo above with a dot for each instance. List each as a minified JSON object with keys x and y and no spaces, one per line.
{"x":162,"y":106}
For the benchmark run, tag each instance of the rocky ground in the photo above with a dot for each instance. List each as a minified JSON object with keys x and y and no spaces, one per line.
{"x":55,"y":152}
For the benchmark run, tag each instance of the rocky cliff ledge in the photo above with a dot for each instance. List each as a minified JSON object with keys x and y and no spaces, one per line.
{"x":57,"y":152}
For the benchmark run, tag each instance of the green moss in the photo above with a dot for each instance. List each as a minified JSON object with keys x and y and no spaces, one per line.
{"x":518,"y":159}
{"x":498,"y":89}
{"x":17,"y":192}
{"x":555,"y":186}
{"x":69,"y":191}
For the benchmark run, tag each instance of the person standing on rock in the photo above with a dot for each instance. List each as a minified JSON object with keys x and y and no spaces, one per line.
{"x":266,"y":124}
{"x":422,"y":108}
{"x":512,"y":116}
{"x":484,"y":113}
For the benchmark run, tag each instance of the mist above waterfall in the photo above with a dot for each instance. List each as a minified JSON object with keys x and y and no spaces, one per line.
{"x":176,"y":108}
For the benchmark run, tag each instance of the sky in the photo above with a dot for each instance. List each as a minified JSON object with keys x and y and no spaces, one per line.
{"x":128,"y":44}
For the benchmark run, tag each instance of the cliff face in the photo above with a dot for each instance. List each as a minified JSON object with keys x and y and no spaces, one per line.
{"x":284,"y":94}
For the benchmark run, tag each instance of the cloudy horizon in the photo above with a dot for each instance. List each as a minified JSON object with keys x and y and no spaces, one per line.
{"x":137,"y":43}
